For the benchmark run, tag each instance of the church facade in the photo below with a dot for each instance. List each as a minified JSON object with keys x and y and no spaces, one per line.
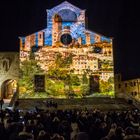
{"x":66,"y":59}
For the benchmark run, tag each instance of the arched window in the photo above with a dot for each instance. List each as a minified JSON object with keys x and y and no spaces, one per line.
{"x":68,"y":15}
{"x":119,"y":86}
{"x":5,"y":65}
{"x":57,"y":18}
{"x":135,"y":93}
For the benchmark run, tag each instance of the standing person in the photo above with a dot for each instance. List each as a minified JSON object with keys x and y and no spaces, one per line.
{"x":16,"y":104}
{"x":1,"y":103}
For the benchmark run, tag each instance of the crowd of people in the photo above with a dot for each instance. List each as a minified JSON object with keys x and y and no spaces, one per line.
{"x":72,"y":124}
{"x":51,"y":103}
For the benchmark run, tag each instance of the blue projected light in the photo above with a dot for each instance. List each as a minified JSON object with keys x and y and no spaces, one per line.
{"x":103,"y":38}
{"x":68,"y":15}
{"x":36,"y":41}
{"x":64,"y":24}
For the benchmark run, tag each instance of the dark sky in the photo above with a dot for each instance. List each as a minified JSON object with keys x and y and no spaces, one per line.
{"x":114,"y":18}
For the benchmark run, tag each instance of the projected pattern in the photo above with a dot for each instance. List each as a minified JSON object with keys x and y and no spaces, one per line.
{"x":76,"y":62}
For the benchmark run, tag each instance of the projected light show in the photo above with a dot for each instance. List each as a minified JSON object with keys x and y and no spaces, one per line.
{"x":66,"y":60}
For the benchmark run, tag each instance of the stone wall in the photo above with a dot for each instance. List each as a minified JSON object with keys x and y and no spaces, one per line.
{"x":9,"y":67}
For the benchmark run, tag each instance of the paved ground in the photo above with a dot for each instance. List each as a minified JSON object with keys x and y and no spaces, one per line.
{"x":104,"y":104}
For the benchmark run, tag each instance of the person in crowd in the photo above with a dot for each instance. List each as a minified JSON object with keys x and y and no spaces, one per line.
{"x":72,"y":124}
{"x":26,"y":133}
{"x":1,"y":103}
{"x":130,"y":134}
{"x":43,"y":136}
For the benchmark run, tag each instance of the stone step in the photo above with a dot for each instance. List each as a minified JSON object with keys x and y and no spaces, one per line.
{"x":102,"y":103}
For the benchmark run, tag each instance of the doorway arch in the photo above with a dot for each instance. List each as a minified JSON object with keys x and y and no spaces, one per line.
{"x":8,"y":88}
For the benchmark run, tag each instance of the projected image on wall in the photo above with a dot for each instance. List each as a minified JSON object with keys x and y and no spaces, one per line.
{"x":66,"y":60}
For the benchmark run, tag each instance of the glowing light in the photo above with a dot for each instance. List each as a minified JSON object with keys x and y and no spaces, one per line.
{"x":80,"y":66}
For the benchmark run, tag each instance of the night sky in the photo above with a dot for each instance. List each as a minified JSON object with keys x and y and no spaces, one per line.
{"x":113,"y":18}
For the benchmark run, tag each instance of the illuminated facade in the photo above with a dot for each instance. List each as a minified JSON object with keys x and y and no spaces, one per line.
{"x":9,"y":74}
{"x":66,"y":46}
{"x":129,"y":89}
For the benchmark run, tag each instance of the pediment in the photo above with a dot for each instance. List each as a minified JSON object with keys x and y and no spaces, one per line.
{"x":66,"y":5}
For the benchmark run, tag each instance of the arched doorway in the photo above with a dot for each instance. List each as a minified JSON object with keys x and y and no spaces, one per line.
{"x":8,"y":88}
